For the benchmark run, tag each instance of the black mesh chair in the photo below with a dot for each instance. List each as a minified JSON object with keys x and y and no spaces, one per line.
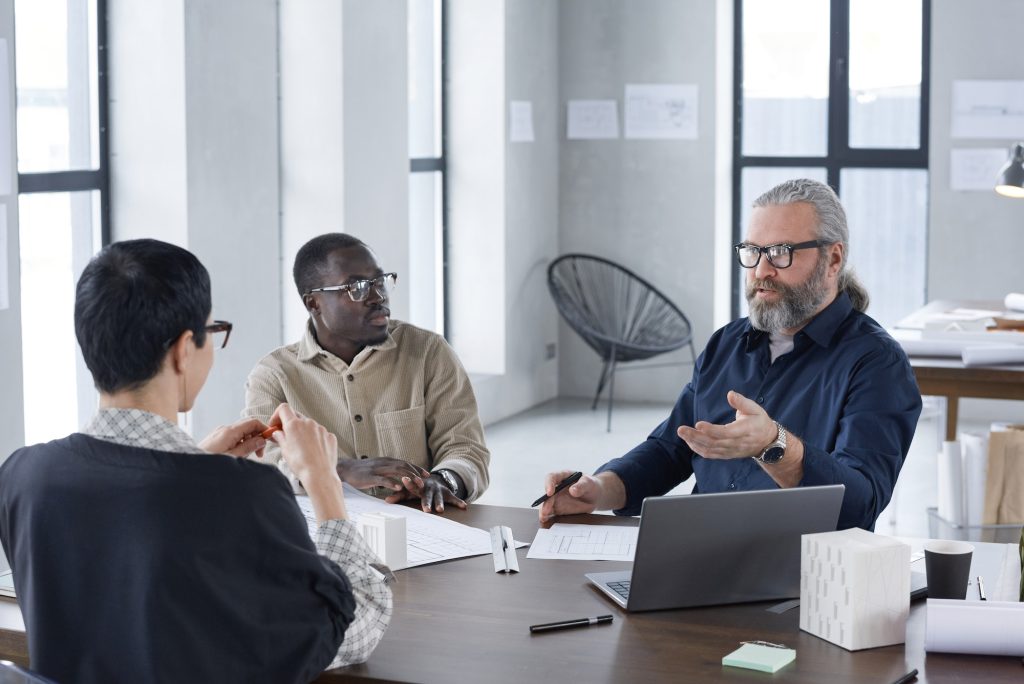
{"x":619,"y":314}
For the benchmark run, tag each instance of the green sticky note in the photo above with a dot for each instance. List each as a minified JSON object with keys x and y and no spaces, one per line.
{"x":760,"y":658}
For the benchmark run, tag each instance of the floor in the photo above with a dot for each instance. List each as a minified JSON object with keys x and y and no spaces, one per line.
{"x":566,"y":434}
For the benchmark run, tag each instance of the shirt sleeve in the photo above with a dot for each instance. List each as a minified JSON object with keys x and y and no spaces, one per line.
{"x":339,"y":541}
{"x":659,"y":463}
{"x":875,"y":430}
{"x":454,"y":433}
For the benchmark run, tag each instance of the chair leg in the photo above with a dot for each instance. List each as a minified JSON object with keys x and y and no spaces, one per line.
{"x":600,"y":384}
{"x":611,"y":390}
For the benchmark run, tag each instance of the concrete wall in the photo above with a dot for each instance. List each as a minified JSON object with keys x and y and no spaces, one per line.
{"x":647,"y":204}
{"x":503,"y":199}
{"x":11,"y":405}
{"x":344,"y":134}
{"x":194,"y":161}
{"x":975,"y":238}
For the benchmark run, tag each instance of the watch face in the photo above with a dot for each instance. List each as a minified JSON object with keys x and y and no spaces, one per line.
{"x":773,"y":454}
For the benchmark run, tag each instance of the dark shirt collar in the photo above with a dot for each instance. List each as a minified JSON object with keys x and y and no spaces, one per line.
{"x":821,"y":329}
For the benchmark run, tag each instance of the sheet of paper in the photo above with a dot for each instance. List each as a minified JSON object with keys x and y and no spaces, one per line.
{"x":585,"y":542}
{"x":592,"y":120}
{"x":430,"y":538}
{"x":988,"y":109}
{"x":661,"y":111}
{"x":5,"y":300}
{"x":520,"y":121}
{"x":975,"y":168}
{"x":6,"y":129}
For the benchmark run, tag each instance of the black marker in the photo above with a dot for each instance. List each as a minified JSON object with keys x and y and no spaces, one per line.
{"x":569,"y":624}
{"x":909,"y":677}
{"x":567,"y":482}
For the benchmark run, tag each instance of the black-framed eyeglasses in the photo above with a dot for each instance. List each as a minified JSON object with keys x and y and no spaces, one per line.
{"x":779,"y":256}
{"x":359,"y":290}
{"x":221,"y":333}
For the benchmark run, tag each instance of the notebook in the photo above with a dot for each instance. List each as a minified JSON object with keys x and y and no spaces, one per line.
{"x":709,"y":549}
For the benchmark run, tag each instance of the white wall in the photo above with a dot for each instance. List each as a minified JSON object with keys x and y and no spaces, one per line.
{"x":11,"y":404}
{"x":194,"y":161}
{"x":344,"y":134}
{"x":975,"y":238}
{"x":503,"y":211}
{"x":647,"y":204}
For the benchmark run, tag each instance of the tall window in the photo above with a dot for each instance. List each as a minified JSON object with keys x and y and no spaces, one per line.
{"x":62,"y":198}
{"x":426,"y":278}
{"x":838,"y":91}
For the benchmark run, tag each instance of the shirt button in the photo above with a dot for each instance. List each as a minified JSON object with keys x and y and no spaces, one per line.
{"x":732,"y":485}
{"x":760,"y":400}
{"x":364,"y":457}
{"x":358,"y":418}
{"x":351,"y":377}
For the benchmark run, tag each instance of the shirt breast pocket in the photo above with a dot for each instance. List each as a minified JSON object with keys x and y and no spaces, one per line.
{"x":403,"y":434}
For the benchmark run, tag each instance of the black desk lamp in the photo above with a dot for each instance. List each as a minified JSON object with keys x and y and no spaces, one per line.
{"x":1010,"y":182}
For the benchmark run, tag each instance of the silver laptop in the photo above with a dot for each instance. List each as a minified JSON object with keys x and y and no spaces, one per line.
{"x":708,"y":549}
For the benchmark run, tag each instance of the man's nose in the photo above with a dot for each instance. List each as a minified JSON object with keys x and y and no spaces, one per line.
{"x":378,"y":294}
{"x":764,"y":268}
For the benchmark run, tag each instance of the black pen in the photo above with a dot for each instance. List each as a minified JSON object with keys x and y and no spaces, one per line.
{"x":567,"y":482}
{"x":909,"y":677}
{"x":569,"y":624}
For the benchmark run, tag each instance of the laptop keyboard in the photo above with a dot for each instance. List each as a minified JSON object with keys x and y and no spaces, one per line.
{"x":620,"y":588}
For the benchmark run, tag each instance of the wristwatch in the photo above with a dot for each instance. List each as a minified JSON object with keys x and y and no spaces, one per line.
{"x":774,"y":452}
{"x":450,"y":480}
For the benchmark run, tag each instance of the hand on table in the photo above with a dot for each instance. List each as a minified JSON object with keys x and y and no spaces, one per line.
{"x":582,"y":497}
{"x":381,"y":472}
{"x":432,"y":492}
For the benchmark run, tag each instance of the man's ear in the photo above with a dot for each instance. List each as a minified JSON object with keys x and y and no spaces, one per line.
{"x":835,"y":258}
{"x":181,"y":350}
{"x":311,"y":303}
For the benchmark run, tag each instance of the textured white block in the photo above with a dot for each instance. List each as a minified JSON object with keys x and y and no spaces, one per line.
{"x":385,"y":535}
{"x":855,"y":588}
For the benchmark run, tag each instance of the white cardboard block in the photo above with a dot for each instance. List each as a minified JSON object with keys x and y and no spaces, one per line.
{"x":385,"y":535}
{"x":854,"y":588}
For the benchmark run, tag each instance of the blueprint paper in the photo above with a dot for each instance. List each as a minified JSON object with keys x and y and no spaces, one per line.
{"x":585,"y":542}
{"x":430,"y":538}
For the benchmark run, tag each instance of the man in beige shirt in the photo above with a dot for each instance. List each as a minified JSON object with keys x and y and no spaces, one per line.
{"x":395,"y":395}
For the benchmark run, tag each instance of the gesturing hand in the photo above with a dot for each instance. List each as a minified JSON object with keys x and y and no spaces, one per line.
{"x":751,"y":432}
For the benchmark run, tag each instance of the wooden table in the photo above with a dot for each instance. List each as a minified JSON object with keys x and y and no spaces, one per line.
{"x":461,"y":622}
{"x":949,"y":378}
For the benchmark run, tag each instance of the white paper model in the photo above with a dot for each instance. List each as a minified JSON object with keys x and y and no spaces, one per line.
{"x":855,"y":588}
{"x":385,"y":535}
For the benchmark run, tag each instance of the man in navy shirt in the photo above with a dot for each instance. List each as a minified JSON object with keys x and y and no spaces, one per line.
{"x":806,"y":391}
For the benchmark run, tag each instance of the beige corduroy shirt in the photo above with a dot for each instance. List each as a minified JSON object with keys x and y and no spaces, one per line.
{"x":408,"y":398}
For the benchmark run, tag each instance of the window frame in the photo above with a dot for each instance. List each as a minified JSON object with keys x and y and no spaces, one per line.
{"x":439,"y":164}
{"x":839,"y":154}
{"x":86,"y":180}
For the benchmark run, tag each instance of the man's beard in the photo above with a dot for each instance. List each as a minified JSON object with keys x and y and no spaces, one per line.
{"x":796,"y":303}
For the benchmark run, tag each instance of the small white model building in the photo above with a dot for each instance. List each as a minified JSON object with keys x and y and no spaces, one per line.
{"x":385,"y":535}
{"x":855,"y":588}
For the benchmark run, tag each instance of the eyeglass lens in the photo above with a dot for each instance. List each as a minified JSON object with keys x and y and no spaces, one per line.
{"x":779,"y":256}
{"x":360,"y":290}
